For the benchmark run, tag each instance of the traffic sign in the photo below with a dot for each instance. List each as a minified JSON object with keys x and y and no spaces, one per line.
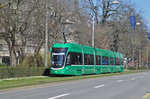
{"x":132,"y":20}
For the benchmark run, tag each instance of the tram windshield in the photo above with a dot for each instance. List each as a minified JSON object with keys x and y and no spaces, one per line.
{"x":58,"y":57}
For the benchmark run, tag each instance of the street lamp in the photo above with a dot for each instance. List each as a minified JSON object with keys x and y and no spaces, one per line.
{"x":115,"y":2}
{"x":138,"y":23}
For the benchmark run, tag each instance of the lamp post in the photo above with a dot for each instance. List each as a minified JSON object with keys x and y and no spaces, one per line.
{"x":132,"y":20}
{"x":147,"y":55}
{"x":133,"y":24}
{"x":139,"y":50}
{"x":93,"y":33}
{"x":148,"y":36}
{"x":46,"y":33}
{"x":138,"y":24}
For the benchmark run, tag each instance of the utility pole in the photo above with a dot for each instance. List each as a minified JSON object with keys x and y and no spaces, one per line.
{"x":132,"y":51}
{"x":139,"y":58}
{"x":46,"y":33}
{"x":93,"y":33}
{"x":147,"y":56}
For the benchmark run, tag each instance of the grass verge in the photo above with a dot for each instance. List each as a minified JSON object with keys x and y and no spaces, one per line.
{"x":9,"y":84}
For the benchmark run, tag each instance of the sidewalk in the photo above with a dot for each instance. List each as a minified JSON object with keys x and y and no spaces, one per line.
{"x":22,"y":78}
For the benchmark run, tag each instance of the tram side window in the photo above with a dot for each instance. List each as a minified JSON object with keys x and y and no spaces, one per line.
{"x":88,"y":59}
{"x":117,"y":61}
{"x":74,"y":58}
{"x":98,"y":60}
{"x":121,"y":61}
{"x":111,"y":61}
{"x":105,"y":60}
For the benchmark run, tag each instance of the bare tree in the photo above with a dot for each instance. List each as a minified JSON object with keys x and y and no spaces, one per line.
{"x":22,"y":25}
{"x":14,"y":22}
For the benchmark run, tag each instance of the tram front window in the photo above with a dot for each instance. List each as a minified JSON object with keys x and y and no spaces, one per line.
{"x":58,"y":57}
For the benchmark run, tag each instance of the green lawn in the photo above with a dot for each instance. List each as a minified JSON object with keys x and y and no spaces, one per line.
{"x":9,"y":84}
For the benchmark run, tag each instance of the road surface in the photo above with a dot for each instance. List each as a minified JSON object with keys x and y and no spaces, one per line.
{"x":130,"y":86}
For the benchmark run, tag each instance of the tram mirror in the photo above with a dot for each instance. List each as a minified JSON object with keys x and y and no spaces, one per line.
{"x":68,"y":60}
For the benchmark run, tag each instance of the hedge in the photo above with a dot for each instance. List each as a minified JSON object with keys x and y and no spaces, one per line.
{"x":12,"y":72}
{"x":2,"y":65}
{"x":139,"y":68}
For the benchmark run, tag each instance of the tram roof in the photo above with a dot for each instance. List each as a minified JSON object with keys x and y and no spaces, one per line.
{"x":78,"y":48}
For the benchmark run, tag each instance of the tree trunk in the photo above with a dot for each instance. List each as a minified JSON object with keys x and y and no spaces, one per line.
{"x":13,"y":61}
{"x":12,"y":53}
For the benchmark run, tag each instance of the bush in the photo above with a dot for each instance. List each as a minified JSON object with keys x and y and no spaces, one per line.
{"x":33,"y":61}
{"x":131,"y":68}
{"x":2,"y":65}
{"x":11,"y":72}
{"x":139,"y":68}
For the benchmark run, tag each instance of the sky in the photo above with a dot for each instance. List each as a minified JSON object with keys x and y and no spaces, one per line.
{"x":145,"y":5}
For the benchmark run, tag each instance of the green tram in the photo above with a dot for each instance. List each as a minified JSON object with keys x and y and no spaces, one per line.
{"x":76,"y":59}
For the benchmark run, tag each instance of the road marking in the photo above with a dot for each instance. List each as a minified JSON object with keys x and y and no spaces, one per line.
{"x":99,"y":86}
{"x":120,"y":80}
{"x":141,"y":77}
{"x":59,"y":96}
{"x":147,"y":75}
{"x":133,"y":78}
{"x":146,"y":95}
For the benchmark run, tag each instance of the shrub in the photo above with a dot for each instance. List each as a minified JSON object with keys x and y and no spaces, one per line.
{"x":11,"y":72}
{"x":131,"y":68}
{"x":139,"y":68}
{"x":33,"y":61}
{"x":2,"y":65}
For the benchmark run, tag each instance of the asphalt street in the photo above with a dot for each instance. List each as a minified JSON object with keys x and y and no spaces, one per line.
{"x":129,"y":86}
